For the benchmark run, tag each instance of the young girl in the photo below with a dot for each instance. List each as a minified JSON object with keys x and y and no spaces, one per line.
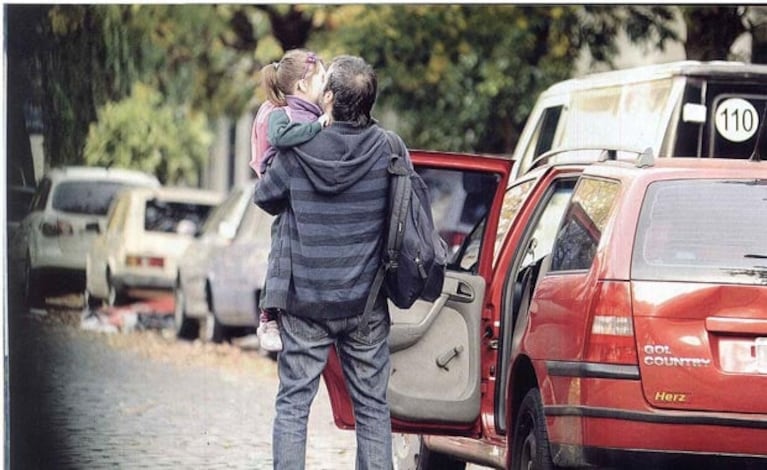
{"x":289,"y":117}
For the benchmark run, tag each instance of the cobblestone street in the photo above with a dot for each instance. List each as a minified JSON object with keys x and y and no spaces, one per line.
{"x":87,"y":400}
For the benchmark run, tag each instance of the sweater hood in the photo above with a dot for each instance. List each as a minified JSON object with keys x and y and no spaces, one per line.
{"x":300,"y":105}
{"x":340,"y":156}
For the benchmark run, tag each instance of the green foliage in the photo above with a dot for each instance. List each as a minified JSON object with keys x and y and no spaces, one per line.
{"x":462,"y":77}
{"x":145,"y":133}
{"x":453,"y":77}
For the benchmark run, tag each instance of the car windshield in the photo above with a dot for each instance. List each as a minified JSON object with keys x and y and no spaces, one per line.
{"x":703,"y":231}
{"x":174,"y":217}
{"x":231,"y":208}
{"x":85,"y":196}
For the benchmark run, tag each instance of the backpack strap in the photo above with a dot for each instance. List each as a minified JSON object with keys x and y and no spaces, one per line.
{"x":398,"y":167}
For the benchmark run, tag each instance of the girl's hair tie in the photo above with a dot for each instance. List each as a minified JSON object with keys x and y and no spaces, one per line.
{"x":311,"y":59}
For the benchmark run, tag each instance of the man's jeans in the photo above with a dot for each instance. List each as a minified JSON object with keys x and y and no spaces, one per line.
{"x":366,"y":367}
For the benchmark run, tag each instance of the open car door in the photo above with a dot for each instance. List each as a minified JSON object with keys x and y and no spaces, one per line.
{"x":435,"y":346}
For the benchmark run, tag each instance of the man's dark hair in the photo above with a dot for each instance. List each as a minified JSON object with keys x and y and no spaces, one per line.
{"x":354,"y":86}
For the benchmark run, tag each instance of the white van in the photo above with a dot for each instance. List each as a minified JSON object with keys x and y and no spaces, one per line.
{"x":689,"y":108}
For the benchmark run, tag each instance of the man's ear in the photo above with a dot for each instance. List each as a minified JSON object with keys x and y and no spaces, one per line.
{"x":327,"y":97}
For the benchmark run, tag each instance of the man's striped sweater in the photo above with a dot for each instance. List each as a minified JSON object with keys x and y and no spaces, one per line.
{"x":333,"y":191}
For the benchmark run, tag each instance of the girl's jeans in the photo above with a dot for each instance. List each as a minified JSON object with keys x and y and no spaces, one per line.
{"x":366,"y":367}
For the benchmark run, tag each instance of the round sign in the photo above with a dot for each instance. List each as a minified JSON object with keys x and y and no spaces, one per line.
{"x":736,"y":119}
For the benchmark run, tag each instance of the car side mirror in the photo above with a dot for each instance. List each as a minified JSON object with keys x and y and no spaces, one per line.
{"x":92,"y":227}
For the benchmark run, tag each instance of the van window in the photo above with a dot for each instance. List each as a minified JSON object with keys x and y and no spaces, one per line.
{"x":735,"y":125}
{"x":629,"y":116}
{"x":703,"y":231}
{"x":542,"y":139}
{"x":585,"y":220}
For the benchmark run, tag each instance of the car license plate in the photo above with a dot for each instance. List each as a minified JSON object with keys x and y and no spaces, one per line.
{"x":761,"y":355}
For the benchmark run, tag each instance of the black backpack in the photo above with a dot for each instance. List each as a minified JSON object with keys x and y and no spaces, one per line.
{"x":414,"y":255}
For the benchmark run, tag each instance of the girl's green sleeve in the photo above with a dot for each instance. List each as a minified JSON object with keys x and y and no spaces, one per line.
{"x":282,"y":133}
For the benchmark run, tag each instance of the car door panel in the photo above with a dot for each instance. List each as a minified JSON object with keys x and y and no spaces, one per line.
{"x":435,"y":354}
{"x":436,"y":350}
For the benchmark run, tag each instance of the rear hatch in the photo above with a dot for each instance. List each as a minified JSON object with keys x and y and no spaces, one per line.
{"x":699,"y":295}
{"x":80,"y":205}
{"x":168,"y":229}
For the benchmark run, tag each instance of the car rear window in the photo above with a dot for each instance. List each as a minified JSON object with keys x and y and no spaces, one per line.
{"x":175,"y":217}
{"x":85,"y":197}
{"x":703,"y":231}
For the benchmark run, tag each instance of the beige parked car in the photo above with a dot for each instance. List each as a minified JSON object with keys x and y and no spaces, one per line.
{"x":146,"y":233}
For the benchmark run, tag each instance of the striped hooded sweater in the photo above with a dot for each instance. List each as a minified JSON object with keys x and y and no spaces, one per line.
{"x":332,"y":192}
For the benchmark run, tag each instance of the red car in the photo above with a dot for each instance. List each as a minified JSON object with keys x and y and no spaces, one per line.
{"x":597,"y":314}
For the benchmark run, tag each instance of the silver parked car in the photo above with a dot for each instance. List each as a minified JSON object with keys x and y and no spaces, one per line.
{"x":68,"y":210}
{"x":236,"y":276}
{"x":191,"y":292}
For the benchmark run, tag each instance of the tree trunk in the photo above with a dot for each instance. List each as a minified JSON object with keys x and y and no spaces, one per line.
{"x":711,"y":31}
{"x":20,"y":22}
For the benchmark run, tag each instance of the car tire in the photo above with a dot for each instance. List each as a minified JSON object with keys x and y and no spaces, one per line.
{"x":114,"y":296}
{"x":530,"y":442}
{"x":186,"y":328}
{"x":214,"y":331}
{"x":410,"y":453}
{"x":90,"y":302}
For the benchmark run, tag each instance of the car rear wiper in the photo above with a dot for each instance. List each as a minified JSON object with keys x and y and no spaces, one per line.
{"x":751,"y":255}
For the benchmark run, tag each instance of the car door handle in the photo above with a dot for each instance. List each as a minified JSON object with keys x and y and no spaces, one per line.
{"x":462,"y":292}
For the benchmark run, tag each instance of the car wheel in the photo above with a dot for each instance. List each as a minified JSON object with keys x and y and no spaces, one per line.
{"x":530,"y":442}
{"x":186,"y":328}
{"x":410,"y":453}
{"x":114,"y":297}
{"x":215,"y":332}
{"x":32,"y":292}
{"x":90,"y":302}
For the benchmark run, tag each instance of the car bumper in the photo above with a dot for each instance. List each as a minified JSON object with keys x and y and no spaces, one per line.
{"x":57,"y":280}
{"x":235,"y":306}
{"x":595,"y":420}
{"x":50,"y":259}
{"x":127,"y":281}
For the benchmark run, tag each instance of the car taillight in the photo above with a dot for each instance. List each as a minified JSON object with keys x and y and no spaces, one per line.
{"x":57,"y":228}
{"x":145,"y":261}
{"x":611,"y":338}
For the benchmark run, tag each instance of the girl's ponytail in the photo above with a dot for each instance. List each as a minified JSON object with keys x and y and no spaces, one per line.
{"x":271,"y":87}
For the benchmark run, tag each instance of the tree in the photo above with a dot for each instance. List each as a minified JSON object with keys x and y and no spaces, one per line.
{"x":711,"y":30}
{"x":465,"y":77}
{"x":202,"y":56}
{"x":145,"y":133}
{"x":458,"y":77}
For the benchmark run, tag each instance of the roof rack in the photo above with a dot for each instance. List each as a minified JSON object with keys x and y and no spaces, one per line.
{"x":644,"y":158}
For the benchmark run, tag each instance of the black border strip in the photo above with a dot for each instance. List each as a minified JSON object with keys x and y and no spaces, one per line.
{"x":594,"y":370}
{"x":656,"y":418}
